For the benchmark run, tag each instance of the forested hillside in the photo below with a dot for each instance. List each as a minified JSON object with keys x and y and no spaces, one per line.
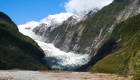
{"x":124,"y":59}
{"x":17,"y":50}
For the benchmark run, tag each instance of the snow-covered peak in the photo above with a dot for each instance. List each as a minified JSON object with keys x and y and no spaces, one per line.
{"x":52,"y":21}
{"x":55,"y":19}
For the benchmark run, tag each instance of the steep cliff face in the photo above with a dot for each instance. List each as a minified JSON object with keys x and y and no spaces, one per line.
{"x":17,"y":50}
{"x":129,"y":11}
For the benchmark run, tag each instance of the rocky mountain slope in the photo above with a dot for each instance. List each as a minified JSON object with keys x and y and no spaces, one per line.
{"x":17,"y":50}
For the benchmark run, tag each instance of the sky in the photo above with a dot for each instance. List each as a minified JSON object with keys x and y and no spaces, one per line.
{"x":23,"y":11}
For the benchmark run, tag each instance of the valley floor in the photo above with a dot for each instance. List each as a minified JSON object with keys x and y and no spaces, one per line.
{"x":55,"y":75}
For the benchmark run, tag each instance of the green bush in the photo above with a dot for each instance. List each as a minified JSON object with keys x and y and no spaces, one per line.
{"x":134,"y":66}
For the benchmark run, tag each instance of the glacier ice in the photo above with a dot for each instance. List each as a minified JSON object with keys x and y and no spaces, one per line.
{"x":55,"y":58}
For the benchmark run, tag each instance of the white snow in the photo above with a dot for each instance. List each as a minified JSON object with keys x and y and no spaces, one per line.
{"x":53,"y":21}
{"x":31,"y":24}
{"x":27,"y":28}
{"x":56,"y":19}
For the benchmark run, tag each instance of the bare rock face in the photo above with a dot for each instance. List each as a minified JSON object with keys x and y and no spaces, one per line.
{"x":70,"y":41}
{"x":132,"y":10}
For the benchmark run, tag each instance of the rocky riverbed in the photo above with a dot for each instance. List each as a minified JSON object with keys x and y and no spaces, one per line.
{"x":56,"y":75}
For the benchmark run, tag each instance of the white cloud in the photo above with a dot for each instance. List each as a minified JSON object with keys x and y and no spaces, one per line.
{"x":85,"y":5}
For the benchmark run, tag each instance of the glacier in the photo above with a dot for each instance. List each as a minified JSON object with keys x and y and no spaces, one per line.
{"x":54,"y":58}
{"x":60,"y":60}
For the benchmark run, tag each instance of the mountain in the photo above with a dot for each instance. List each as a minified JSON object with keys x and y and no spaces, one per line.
{"x":17,"y":50}
{"x":114,"y":31}
{"x":47,"y":26}
{"x":55,"y":32}
{"x":53,"y":21}
{"x":104,"y":36}
{"x":124,"y":58}
{"x":110,"y":37}
{"x":85,"y":35}
{"x":38,"y":32}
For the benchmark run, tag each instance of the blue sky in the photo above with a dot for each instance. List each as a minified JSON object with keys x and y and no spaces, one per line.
{"x":22,"y":11}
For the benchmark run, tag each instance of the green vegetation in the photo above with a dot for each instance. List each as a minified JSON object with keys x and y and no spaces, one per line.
{"x":134,"y":66}
{"x":103,"y":19}
{"x":17,"y":50}
{"x":125,"y":58}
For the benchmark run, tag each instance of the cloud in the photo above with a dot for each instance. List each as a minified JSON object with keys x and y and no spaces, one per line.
{"x":76,"y":6}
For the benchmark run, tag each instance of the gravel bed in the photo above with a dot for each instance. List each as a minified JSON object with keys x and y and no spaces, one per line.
{"x":46,"y":75}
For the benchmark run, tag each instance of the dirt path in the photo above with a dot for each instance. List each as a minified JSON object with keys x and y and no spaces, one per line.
{"x":45,"y":75}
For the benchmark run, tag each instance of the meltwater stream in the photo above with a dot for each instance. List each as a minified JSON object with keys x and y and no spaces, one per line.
{"x":55,"y":58}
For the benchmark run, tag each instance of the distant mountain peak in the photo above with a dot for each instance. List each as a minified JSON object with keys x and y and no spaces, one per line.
{"x":56,"y":19}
